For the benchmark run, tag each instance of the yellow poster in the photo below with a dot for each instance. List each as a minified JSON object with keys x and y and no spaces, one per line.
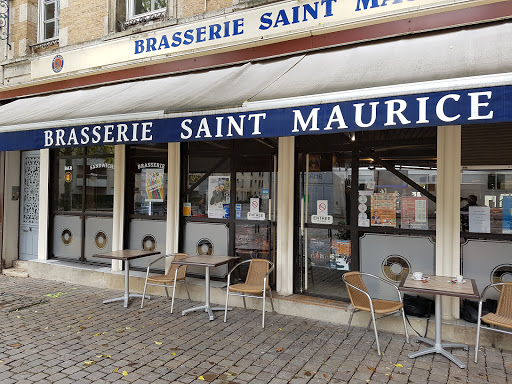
{"x":383,"y":210}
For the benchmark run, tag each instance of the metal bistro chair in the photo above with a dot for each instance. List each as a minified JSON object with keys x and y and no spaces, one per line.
{"x":362,"y":301}
{"x":174,"y":274}
{"x":503,"y":316}
{"x":256,"y":284}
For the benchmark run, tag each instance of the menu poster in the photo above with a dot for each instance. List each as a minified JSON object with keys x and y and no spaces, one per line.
{"x":155,"y":184}
{"x":479,"y":219}
{"x":414,"y":212}
{"x":507,"y":214}
{"x":383,"y":210}
{"x":218,"y":197}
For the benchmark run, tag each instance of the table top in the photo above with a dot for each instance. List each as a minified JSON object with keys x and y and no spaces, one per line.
{"x":440,"y":285}
{"x":125,"y":254}
{"x":206,"y":260}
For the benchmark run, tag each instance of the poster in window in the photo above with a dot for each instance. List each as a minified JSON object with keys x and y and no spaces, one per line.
{"x":218,"y":197}
{"x":340,"y":249}
{"x":414,"y":212}
{"x":383,"y":210}
{"x":507,"y":214}
{"x":479,"y":219}
{"x":154,"y":184}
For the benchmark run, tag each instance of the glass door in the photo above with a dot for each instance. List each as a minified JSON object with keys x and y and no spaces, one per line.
{"x":324,"y":235}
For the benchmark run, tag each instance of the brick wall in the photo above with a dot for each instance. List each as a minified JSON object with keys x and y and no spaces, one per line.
{"x":82,"y":20}
{"x":23,"y":27}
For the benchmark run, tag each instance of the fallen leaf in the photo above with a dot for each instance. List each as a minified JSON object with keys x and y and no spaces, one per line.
{"x":174,"y":354}
{"x":201,"y":378}
{"x":279,"y":349}
{"x":89,"y":363}
{"x":325,"y":375}
{"x":125,"y":373}
{"x":115,"y":370}
{"x":398,"y":365}
{"x":15,"y":345}
{"x":390,"y":377}
{"x":308,"y":373}
{"x":158,"y":343}
{"x":371,"y":368}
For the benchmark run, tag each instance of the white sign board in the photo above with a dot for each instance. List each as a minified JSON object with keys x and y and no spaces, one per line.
{"x":255,"y":216}
{"x":324,"y":219}
{"x":322,"y":207}
{"x":255,"y":205}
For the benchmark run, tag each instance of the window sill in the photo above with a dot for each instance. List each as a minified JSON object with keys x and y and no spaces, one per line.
{"x":45,"y":44}
{"x":147,"y":17}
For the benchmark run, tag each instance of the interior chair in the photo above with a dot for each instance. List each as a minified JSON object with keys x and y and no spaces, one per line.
{"x":503,"y":316}
{"x":175,"y":273}
{"x":256,"y":284}
{"x":362,"y":301}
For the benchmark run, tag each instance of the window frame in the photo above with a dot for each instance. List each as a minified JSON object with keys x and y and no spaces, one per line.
{"x":42,"y":22}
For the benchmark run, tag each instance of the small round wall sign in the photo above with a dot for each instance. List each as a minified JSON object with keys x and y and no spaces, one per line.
{"x":57,"y":63}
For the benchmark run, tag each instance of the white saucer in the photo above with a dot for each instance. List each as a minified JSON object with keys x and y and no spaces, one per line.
{"x":457,"y":282}
{"x":424,"y":278}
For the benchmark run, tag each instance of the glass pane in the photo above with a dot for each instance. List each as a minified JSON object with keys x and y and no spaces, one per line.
{"x":392,"y":202}
{"x":249,"y":186}
{"x":159,"y":4}
{"x":67,"y":190}
{"x":252,"y":241}
{"x":328,"y":258}
{"x":211,"y":197}
{"x":142,"y":6}
{"x":71,"y":151}
{"x":486,"y":201}
{"x":49,"y":11}
{"x":100,"y":150}
{"x":49,"y":30}
{"x":100,"y":184}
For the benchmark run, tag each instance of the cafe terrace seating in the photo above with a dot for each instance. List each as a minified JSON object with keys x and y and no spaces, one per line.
{"x":362,"y":301}
{"x":256,"y":284}
{"x":503,"y":316}
{"x":175,"y":273}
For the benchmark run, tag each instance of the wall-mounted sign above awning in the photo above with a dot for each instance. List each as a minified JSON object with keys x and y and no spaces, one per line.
{"x":238,"y":30}
{"x":473,"y":106}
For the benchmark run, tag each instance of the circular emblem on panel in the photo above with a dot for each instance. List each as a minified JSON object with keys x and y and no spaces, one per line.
{"x":362,"y":199}
{"x":68,"y":177}
{"x":394,"y":267}
{"x":57,"y":63}
{"x":66,"y":236}
{"x":100,"y":239}
{"x":148,"y":243}
{"x":501,"y":274}
{"x":204,"y":247}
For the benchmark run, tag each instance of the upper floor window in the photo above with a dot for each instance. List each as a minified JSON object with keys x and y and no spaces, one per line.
{"x":140,"y":7}
{"x":48,"y":19}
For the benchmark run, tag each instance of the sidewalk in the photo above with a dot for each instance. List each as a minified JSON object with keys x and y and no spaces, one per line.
{"x":64,"y":334}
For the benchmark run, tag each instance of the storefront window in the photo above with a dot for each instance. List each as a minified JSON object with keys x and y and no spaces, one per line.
{"x":68,"y":188}
{"x":147,"y":175}
{"x":99,"y":192}
{"x":388,"y":201}
{"x":486,"y":201}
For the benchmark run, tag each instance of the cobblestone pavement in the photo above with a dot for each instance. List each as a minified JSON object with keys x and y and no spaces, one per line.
{"x":74,"y":338}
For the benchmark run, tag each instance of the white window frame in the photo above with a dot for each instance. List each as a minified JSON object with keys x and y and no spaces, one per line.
{"x":130,"y":9}
{"x":41,"y":21}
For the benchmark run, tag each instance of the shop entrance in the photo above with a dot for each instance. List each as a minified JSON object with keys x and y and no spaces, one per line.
{"x":228,"y":199}
{"x":364,"y":202}
{"x":324,"y":236}
{"x":83,"y":199}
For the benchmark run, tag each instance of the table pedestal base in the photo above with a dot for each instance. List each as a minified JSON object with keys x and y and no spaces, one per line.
{"x":439,"y":349}
{"x":437,"y":345}
{"x":125,"y":299}
{"x":205,"y":308}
